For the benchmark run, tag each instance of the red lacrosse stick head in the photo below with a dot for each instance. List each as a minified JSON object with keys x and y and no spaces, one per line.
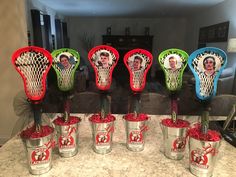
{"x":33,"y":64}
{"x":103,"y":59}
{"x":138,"y":62}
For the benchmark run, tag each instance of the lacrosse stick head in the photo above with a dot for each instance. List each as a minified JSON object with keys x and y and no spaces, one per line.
{"x":103,"y":59}
{"x":138,"y":62}
{"x":33,"y":64}
{"x":65,"y":63}
{"x":207,"y":64}
{"x":173,"y":62}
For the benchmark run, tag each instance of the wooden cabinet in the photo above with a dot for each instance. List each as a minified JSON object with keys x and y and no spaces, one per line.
{"x":124,"y":44}
{"x":128,"y":42}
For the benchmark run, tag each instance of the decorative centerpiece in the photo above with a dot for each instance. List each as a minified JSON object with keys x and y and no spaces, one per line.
{"x":103,"y":60}
{"x":65,"y":63}
{"x":138,"y":62}
{"x":33,"y":64}
{"x":206,"y":65}
{"x":173,"y":62}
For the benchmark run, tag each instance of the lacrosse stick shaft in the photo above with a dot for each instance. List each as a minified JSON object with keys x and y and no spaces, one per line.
{"x":205,"y":118}
{"x":136,"y":103}
{"x":67,"y":103}
{"x":37,"y":116}
{"x":174,"y":107}
{"x":105,"y":104}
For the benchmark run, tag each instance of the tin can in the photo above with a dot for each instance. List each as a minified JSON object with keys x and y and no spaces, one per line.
{"x":174,"y":141}
{"x":202,"y":156}
{"x":39,"y":153}
{"x":102,"y":134}
{"x":68,"y":138}
{"x":135,"y":134}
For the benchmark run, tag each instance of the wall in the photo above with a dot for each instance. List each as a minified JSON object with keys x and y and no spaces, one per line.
{"x":167,"y":32}
{"x":220,"y":13}
{"x":13,"y":35}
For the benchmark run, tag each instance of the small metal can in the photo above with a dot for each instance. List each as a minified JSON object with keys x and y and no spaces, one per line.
{"x":102,"y":136}
{"x":39,"y":153}
{"x":174,"y":141}
{"x":135,"y":134}
{"x":202,"y":156}
{"x":68,"y":138}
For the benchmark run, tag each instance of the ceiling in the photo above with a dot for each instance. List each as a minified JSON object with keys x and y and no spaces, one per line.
{"x":128,"y":8}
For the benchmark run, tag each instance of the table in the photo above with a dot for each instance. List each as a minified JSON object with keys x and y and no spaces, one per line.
{"x":120,"y":161}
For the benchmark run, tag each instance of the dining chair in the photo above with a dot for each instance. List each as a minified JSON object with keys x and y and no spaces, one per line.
{"x":87,"y":102}
{"x":152,"y":103}
{"x":221,"y":105}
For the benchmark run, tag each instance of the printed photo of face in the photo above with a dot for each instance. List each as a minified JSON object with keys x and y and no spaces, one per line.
{"x":64,"y":61}
{"x":137,"y":64}
{"x":104,"y":59}
{"x":172,"y":63}
{"x":209,"y":65}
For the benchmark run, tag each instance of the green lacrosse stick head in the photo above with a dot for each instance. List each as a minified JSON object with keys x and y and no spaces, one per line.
{"x":65,"y":63}
{"x":173,"y":62}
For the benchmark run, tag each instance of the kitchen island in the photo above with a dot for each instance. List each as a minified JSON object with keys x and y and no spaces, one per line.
{"x":120,"y":161}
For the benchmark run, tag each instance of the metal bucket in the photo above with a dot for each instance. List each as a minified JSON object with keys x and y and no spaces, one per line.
{"x":68,"y":139}
{"x":135,"y":134}
{"x":174,"y":141}
{"x":202,"y":156}
{"x":102,"y":136}
{"x":39,"y":153}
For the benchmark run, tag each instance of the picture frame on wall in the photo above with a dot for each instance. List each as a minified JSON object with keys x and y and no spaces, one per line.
{"x":214,"y":33}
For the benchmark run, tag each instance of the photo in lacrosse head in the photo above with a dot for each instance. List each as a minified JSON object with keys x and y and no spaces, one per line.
{"x":102,"y":59}
{"x":66,"y":60}
{"x":136,"y":63}
{"x":172,"y":62}
{"x":209,"y":65}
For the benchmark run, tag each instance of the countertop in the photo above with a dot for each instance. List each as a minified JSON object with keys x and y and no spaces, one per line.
{"x":120,"y":161}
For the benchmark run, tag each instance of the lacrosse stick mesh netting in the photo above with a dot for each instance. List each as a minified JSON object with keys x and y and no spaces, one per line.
{"x":138,"y":76}
{"x":65,"y":75}
{"x":173,"y":77}
{"x":33,"y":64}
{"x":206,"y":83}
{"x":103,"y":74}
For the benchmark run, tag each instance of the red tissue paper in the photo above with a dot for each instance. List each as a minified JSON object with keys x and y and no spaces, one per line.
{"x":98,"y":119}
{"x":139,"y":117}
{"x":195,"y":132}
{"x":72,"y":120}
{"x":31,"y":133}
{"x":178,"y":124}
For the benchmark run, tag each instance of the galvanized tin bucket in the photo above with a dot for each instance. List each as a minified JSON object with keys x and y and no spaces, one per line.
{"x":135,"y":134}
{"x":102,"y":136}
{"x":39,"y":153}
{"x":174,"y":141}
{"x":202,"y":156}
{"x":68,"y":139}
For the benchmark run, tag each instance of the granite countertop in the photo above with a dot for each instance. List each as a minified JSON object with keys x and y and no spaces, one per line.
{"x":119,"y":162}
